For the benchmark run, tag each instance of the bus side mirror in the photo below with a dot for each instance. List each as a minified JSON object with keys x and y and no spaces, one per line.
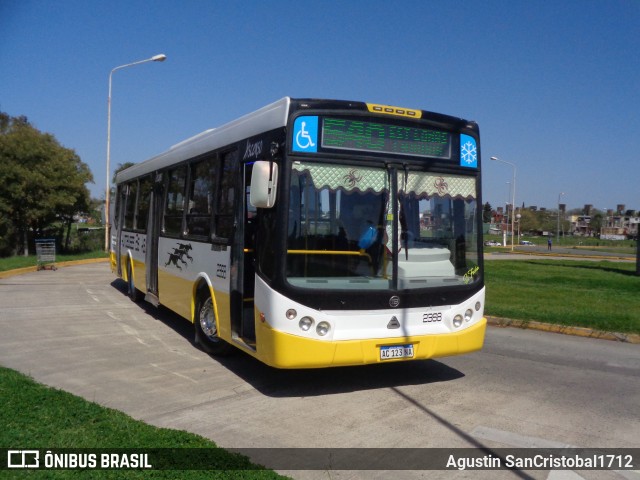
{"x":264,"y":179}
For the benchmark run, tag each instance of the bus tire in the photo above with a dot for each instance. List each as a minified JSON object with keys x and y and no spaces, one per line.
{"x":206,"y":327}
{"x":133,"y":293}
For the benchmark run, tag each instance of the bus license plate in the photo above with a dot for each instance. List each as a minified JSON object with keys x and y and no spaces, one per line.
{"x":389,"y":352}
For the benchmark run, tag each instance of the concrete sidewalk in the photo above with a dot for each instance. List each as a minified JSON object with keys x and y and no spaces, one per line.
{"x":76,"y":329}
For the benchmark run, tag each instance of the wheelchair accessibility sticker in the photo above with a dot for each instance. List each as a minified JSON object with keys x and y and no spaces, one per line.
{"x":305,"y":134}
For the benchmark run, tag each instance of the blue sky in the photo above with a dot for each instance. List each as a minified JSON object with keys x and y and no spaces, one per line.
{"x":553,"y":84}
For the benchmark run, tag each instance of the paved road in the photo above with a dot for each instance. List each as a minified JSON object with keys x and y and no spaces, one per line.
{"x":541,"y":252}
{"x":76,"y":330}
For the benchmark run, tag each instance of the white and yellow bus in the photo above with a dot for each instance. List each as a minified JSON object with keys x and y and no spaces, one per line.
{"x":313,"y":233}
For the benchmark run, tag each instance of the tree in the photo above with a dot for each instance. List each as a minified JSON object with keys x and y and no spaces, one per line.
{"x":596,"y":224}
{"x":486,"y":213}
{"x":548,"y":220}
{"x":41,"y":183}
{"x":529,"y":221}
{"x":119,"y":168}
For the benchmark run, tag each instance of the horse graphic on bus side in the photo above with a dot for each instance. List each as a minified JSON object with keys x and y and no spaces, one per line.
{"x":178,"y":255}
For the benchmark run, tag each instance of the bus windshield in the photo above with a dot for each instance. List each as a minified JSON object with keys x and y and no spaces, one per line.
{"x":350,"y":228}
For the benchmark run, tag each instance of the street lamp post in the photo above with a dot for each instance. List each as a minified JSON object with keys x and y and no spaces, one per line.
{"x":156,"y":58}
{"x":558,"y":227}
{"x":513,"y":195}
{"x":507,"y":215}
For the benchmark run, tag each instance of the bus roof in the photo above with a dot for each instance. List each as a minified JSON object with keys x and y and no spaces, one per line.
{"x":267,"y":118}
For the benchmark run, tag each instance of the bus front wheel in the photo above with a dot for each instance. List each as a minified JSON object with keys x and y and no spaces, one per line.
{"x":206,"y":327}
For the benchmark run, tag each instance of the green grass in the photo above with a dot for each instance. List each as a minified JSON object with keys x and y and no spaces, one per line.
{"x":600,"y":295}
{"x":34,"y":416}
{"x":11,"y":263}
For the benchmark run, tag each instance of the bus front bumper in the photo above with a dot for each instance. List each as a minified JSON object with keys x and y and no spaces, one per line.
{"x":283,"y":350}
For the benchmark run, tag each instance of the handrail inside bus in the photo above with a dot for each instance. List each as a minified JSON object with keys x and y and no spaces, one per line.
{"x":328,"y":252}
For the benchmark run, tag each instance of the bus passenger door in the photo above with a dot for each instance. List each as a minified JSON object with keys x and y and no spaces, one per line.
{"x":121,"y":199}
{"x":242,"y":306}
{"x":156,"y":205}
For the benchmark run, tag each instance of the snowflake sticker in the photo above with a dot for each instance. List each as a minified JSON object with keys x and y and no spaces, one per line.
{"x":468,"y":152}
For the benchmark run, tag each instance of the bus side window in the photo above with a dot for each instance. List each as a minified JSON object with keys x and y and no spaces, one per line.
{"x":174,"y":208}
{"x":130,"y":209}
{"x":142,"y":212}
{"x":201,"y":187}
{"x":223,"y":217}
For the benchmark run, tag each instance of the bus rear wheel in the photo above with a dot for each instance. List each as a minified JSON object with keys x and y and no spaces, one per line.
{"x":206,"y":327}
{"x":133,"y":293}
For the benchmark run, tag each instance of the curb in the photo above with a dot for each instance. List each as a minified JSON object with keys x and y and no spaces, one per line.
{"x":20,"y":271}
{"x":564,"y":329}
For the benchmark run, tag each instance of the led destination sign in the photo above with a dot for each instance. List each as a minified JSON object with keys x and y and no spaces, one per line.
{"x":360,"y":135}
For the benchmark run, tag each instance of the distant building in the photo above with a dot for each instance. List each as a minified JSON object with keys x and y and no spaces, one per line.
{"x":619,"y":227}
{"x":581,"y":225}
{"x":618,"y":224}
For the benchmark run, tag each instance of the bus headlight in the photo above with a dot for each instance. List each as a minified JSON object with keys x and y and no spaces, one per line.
{"x":468,"y":315}
{"x":291,"y":314}
{"x":478,"y":306}
{"x":323,"y":328}
{"x":305,"y":323}
{"x":457,"y":321}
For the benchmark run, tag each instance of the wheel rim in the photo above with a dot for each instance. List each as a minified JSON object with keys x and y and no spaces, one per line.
{"x":208,"y":320}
